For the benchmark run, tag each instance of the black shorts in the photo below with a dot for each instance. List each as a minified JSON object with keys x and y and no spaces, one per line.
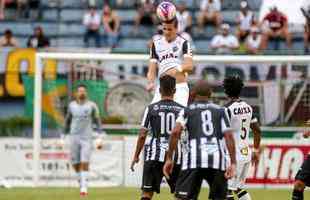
{"x":153,"y":175}
{"x":189,"y":183}
{"x":304,"y":173}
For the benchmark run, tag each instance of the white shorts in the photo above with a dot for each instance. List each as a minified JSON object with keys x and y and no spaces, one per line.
{"x":80,"y":149}
{"x":238,"y":182}
{"x":181,"y":95}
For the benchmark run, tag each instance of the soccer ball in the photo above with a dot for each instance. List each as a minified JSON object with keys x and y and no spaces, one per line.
{"x":166,"y":11}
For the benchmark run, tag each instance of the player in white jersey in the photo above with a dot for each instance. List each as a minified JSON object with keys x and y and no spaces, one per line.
{"x":241,"y":119}
{"x":170,"y":54}
{"x":81,"y":115}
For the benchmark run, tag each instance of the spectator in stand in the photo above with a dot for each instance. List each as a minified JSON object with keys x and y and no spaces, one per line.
{"x":2,"y":6}
{"x":275,"y":26}
{"x":7,"y":40}
{"x":111,"y":24}
{"x":306,"y":12}
{"x":145,"y":16}
{"x":254,"y":41}
{"x":38,"y":39}
{"x":210,"y":12}
{"x":92,"y":23}
{"x":245,"y":20}
{"x":184,"y":17}
{"x":224,"y":43}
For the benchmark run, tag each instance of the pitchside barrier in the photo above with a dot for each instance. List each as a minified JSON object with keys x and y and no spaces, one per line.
{"x":281,"y":157}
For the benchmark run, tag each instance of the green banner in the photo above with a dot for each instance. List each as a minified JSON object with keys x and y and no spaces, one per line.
{"x":55,"y":98}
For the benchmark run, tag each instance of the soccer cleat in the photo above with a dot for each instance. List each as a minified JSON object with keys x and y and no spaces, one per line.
{"x":83,"y":192}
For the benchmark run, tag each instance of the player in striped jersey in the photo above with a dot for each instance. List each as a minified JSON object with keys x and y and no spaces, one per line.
{"x":302,"y":178}
{"x":204,"y":156}
{"x":81,"y":115}
{"x":170,"y":54}
{"x":159,"y":119}
{"x":242,"y":119}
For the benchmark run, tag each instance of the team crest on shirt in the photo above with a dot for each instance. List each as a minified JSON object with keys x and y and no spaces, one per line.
{"x":156,"y":107}
{"x":175,"y":49}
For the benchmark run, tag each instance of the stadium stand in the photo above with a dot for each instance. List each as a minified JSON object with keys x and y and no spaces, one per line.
{"x":62,"y":23}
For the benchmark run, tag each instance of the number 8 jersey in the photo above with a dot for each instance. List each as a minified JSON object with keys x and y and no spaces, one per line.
{"x":241,"y":117}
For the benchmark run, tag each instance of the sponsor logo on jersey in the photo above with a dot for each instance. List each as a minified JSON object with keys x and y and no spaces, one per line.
{"x":242,"y":110}
{"x":167,"y":56}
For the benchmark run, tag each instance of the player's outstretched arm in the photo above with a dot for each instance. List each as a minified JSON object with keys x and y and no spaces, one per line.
{"x":188,"y":63}
{"x":173,"y":143}
{"x":151,"y":74}
{"x":230,"y":143}
{"x":257,"y":139}
{"x":139,"y":147}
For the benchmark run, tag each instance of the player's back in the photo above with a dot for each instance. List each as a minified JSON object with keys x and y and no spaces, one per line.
{"x":206,"y":124}
{"x":82,"y":118}
{"x":241,"y":117}
{"x":160,"y":118}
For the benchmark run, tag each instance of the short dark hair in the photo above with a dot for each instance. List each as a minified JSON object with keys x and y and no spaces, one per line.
{"x":8,"y":32}
{"x":202,"y":88}
{"x":167,"y":85}
{"x":81,"y":86}
{"x":174,"y":21}
{"x":233,"y":86}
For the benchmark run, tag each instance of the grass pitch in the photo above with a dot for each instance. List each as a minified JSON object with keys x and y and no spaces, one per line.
{"x":120,"y":193}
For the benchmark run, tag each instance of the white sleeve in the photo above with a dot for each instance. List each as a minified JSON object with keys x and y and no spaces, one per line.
{"x":203,"y":4}
{"x":86,"y":19}
{"x":217,"y":5}
{"x":234,"y":41}
{"x":215,"y":41}
{"x":97,"y":19}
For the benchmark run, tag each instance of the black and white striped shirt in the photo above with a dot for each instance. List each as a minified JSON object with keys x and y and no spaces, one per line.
{"x":206,"y":124}
{"x":159,"y":118}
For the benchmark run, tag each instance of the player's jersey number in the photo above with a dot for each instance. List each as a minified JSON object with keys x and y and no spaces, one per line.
{"x":207,"y":125}
{"x":167,"y":122}
{"x":244,"y":131}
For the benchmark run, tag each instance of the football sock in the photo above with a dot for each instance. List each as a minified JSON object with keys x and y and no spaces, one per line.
{"x":298,"y":195}
{"x":230,"y":195}
{"x":78,"y":175}
{"x":243,"y":195}
{"x":84,"y":178}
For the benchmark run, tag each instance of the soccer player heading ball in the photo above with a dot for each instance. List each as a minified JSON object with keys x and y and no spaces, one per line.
{"x":170,"y":54}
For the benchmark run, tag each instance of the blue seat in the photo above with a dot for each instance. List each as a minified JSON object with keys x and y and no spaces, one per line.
{"x":68,"y":42}
{"x":75,"y":29}
{"x":126,"y":15}
{"x":72,"y":15}
{"x":134,"y":44}
{"x":50,"y":14}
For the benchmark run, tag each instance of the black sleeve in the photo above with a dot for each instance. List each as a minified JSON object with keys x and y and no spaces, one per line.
{"x":153,"y":53}
{"x":186,"y":49}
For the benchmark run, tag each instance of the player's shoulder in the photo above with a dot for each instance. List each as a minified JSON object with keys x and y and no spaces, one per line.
{"x":181,"y":38}
{"x":157,"y":37}
{"x":91,"y":103}
{"x":72,"y":103}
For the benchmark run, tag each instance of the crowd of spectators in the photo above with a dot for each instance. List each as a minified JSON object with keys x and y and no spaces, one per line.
{"x":102,"y":26}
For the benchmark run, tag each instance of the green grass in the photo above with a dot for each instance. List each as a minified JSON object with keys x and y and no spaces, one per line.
{"x":120,"y":193}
